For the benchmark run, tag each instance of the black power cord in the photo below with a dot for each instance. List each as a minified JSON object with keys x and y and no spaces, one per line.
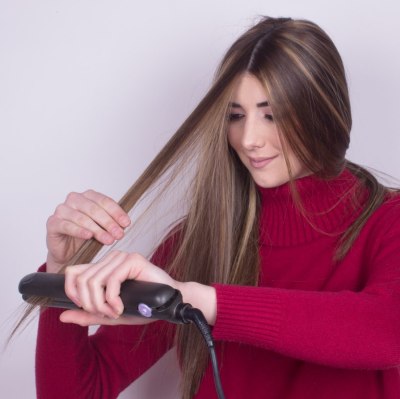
{"x":189,"y":314}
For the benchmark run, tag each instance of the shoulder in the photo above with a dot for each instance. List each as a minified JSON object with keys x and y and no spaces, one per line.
{"x":384,"y":223}
{"x":389,"y":212}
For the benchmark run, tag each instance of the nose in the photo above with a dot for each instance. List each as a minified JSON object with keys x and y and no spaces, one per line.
{"x":253,"y":135}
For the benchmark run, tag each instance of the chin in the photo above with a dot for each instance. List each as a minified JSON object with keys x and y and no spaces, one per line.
{"x":271,"y":182}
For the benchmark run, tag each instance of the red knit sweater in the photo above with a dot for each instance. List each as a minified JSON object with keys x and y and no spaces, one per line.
{"x":313,"y":328}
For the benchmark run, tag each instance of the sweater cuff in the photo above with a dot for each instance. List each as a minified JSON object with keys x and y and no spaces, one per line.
{"x":250,"y":315}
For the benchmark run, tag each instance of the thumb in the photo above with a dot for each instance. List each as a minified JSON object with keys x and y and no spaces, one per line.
{"x":83,"y":318}
{"x":86,"y":319}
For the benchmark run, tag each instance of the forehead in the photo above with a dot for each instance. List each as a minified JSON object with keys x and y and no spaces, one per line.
{"x":248,"y":90}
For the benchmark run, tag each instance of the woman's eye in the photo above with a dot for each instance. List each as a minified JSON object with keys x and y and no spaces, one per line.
{"x":234,"y":117}
{"x":269,"y":117}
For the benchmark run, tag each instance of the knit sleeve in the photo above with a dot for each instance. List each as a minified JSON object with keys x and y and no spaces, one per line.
{"x":73,"y":364}
{"x":346,"y":329}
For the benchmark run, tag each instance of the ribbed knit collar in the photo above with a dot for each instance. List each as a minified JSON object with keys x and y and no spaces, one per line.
{"x":330,"y":206}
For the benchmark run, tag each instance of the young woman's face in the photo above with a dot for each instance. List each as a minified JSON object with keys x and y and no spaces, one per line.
{"x":254,"y":135}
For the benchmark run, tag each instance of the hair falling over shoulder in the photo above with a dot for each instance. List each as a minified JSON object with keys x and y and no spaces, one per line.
{"x":304,"y":78}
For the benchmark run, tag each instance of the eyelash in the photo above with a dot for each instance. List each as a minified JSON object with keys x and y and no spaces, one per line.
{"x":236,"y":117}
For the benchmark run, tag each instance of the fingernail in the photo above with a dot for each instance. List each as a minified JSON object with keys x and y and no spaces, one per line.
{"x":124,"y":221}
{"x":107,"y":238}
{"x":117,"y":232}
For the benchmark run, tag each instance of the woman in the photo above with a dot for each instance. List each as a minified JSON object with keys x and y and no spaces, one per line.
{"x":290,"y":251}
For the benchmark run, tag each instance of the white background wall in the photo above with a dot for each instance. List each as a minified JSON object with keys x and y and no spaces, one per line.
{"x":91,"y":90}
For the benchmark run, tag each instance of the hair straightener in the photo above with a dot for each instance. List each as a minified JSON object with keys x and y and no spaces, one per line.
{"x":140,"y":298}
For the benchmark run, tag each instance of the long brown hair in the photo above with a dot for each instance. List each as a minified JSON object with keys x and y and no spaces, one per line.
{"x":304,"y":79}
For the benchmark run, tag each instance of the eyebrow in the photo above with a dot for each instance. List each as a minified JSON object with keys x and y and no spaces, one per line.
{"x":259,"y":105}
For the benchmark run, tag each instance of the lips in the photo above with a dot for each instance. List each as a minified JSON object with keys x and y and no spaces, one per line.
{"x":258,"y":163}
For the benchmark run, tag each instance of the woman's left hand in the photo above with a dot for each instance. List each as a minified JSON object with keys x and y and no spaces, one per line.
{"x":96,"y":287}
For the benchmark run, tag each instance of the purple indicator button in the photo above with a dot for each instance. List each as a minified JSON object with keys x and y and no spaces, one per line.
{"x":144,"y":310}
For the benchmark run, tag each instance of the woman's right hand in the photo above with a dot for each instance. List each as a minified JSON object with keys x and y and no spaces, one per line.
{"x":80,"y":217}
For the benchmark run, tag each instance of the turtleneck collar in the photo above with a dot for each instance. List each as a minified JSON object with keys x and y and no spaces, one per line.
{"x":329,"y":207}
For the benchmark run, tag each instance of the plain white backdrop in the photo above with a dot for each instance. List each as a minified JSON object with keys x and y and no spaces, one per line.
{"x":91,"y":90}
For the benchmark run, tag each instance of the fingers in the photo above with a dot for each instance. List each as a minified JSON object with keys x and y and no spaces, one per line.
{"x":95,"y":213}
{"x":83,"y":216}
{"x":57,"y":226}
{"x":96,"y":287}
{"x":108,"y":204}
{"x":85,"y":285}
